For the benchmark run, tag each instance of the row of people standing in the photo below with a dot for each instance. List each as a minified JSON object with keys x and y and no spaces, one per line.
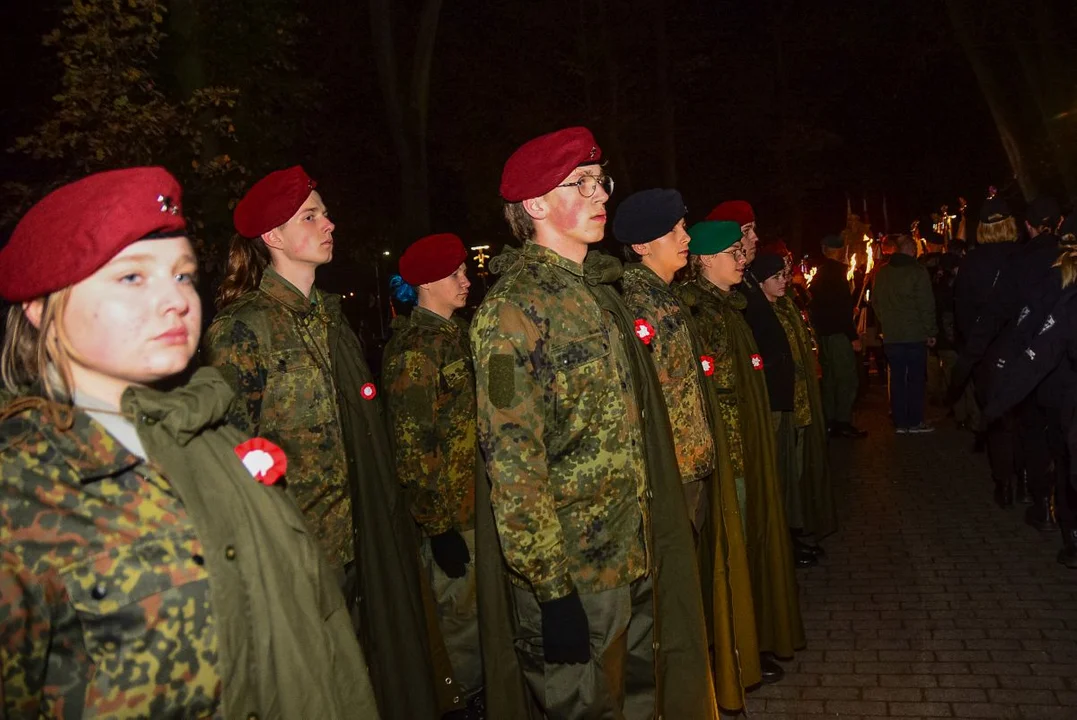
{"x":608,"y":550}
{"x":1014,"y":315}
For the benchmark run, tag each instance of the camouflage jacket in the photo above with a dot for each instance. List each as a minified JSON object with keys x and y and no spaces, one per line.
{"x":429,"y":385}
{"x":796,"y":329}
{"x":651,"y":299}
{"x":131,"y":590}
{"x":272,"y":347}
{"x":712,"y":306}
{"x":559,"y":425}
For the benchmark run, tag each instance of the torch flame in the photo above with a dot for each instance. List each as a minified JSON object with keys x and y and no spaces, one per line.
{"x":871,"y":258}
{"x":852,"y":268}
{"x":810,"y":275}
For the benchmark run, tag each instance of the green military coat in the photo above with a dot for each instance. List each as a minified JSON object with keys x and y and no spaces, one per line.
{"x":684,"y":685}
{"x":725,"y":335}
{"x":174,"y":586}
{"x":294,"y":360}
{"x":820,"y":513}
{"x":724,"y":572}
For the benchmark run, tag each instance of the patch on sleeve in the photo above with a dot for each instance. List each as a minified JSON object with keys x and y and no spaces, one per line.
{"x":501,"y":383}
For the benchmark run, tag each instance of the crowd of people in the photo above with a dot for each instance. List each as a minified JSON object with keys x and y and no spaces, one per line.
{"x":590,"y":501}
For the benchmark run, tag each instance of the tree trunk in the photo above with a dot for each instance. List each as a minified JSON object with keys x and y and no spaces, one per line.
{"x":994,"y":97}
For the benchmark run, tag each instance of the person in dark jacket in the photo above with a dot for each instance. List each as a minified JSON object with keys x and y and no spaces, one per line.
{"x":1043,"y":356}
{"x":832,"y":316}
{"x":985,"y":299}
{"x":906,"y":309}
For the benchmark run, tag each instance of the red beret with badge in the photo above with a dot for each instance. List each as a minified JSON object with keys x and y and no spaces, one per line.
{"x":539,"y":165}
{"x":272,"y":201}
{"x":739,"y":211}
{"x":432,"y":258}
{"x":76,"y":229}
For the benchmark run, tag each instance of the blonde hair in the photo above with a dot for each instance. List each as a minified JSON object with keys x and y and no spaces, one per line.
{"x":1067,"y":263}
{"x":1005,"y":230}
{"x":523,"y":226}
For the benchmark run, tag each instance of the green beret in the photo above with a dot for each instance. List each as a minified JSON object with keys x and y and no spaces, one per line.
{"x":833,"y":241}
{"x":711,"y":237}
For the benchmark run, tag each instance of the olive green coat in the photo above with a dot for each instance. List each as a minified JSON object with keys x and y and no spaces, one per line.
{"x":774,"y":587}
{"x":684,"y":685}
{"x":131,"y":585}
{"x":820,"y":513}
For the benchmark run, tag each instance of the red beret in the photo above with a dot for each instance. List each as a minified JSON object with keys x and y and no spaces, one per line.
{"x":272,"y":201}
{"x":539,"y":165}
{"x":77,"y":228}
{"x":738,"y":211}
{"x":775,"y":247}
{"x":432,"y":258}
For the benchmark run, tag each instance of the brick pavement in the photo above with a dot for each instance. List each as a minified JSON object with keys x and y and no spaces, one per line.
{"x":931,"y":602}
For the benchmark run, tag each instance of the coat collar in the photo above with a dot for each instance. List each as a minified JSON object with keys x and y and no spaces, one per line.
{"x":324,"y":305}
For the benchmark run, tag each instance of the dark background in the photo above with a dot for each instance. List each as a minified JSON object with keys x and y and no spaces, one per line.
{"x":797,"y":107}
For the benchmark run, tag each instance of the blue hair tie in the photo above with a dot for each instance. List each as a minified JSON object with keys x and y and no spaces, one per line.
{"x":403,"y":292}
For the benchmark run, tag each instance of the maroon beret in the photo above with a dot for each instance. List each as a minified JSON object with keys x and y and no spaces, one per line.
{"x":432,"y":258}
{"x":539,"y":165}
{"x":272,"y":201}
{"x":738,"y":211}
{"x":77,"y":228}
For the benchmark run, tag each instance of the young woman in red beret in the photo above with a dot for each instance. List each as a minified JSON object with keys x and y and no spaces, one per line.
{"x":152,"y":564}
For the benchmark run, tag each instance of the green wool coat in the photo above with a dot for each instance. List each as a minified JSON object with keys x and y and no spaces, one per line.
{"x":684,"y":688}
{"x":779,"y":627}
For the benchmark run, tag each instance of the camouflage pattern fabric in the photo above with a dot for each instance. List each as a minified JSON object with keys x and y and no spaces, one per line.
{"x":651,"y":299}
{"x":793,"y":325}
{"x":104,"y":611}
{"x":558,"y":424}
{"x":429,"y":385}
{"x":271,"y":346}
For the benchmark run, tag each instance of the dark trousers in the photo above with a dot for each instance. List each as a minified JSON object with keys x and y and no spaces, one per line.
{"x":1041,"y":445}
{"x":908,"y":380}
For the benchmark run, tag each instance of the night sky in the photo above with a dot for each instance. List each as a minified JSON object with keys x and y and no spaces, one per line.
{"x":771,"y":100}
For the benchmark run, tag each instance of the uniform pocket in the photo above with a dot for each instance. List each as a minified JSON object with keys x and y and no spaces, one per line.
{"x":580,"y":384}
{"x":146,"y":619}
{"x":296,"y":390}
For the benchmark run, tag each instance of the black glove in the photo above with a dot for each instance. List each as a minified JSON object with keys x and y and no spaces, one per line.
{"x":450,"y":553}
{"x":566,"y":637}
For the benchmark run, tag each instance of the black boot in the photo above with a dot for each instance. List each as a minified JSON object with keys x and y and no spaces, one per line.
{"x":1004,"y":492}
{"x":1022,"y":496}
{"x":772,"y":671}
{"x":1068,"y":554}
{"x":1039,"y":515}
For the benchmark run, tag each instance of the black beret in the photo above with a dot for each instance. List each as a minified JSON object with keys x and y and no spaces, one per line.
{"x":994,"y":209}
{"x":648,"y":215}
{"x":833,"y":241}
{"x":765,"y":266}
{"x":1043,"y":211}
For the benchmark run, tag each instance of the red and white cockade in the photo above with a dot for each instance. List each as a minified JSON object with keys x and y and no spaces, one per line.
{"x":264,"y":460}
{"x":644,"y":331}
{"x":368,"y":391}
{"x":708,"y":364}
{"x":757,"y":362}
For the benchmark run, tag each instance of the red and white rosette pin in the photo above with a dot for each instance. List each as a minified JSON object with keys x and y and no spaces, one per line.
{"x":757,"y":362}
{"x":644,"y":331}
{"x":369,"y":391}
{"x":264,"y":460}
{"x":708,"y":364}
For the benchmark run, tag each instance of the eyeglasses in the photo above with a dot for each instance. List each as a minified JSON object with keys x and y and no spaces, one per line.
{"x":736,"y":252}
{"x":587,"y":184}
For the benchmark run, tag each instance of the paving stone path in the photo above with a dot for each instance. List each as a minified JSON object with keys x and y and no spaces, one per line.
{"x":931,"y":602}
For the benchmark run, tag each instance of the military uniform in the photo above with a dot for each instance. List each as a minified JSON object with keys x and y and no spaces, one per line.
{"x":650,"y":298}
{"x":272,"y":346}
{"x":739,"y":380}
{"x":129,"y":587}
{"x":429,"y":385}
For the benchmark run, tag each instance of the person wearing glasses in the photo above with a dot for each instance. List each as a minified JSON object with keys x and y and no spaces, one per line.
{"x":301,"y":380}
{"x":584,"y":515}
{"x":717,"y":264}
{"x":651,"y":226}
